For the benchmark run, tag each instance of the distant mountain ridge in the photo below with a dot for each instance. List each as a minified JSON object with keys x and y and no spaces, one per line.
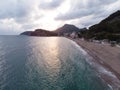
{"x":108,"y":28}
{"x":67,"y":28}
{"x":42,"y":32}
{"x":39,"y":32}
{"x":26,"y":33}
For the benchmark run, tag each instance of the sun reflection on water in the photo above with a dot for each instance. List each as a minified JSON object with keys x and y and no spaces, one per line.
{"x":50,"y":56}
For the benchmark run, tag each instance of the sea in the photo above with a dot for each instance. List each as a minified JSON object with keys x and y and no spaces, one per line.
{"x":46,"y":63}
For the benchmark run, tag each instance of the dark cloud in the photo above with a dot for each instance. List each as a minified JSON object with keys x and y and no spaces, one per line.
{"x":50,"y":5}
{"x":14,"y":8}
{"x":90,"y":22}
{"x":84,"y":8}
{"x":78,"y":13}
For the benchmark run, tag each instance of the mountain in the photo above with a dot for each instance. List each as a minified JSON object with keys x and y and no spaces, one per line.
{"x":67,"y":28}
{"x":58,"y":32}
{"x":108,"y":28}
{"x":26,"y":33}
{"x":39,"y":32}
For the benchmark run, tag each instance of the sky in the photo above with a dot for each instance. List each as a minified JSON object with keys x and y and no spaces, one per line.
{"x":17,"y":16}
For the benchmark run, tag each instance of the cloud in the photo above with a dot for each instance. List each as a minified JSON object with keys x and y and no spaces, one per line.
{"x":78,"y":13}
{"x":21,"y":15}
{"x":46,"y":4}
{"x":16,"y":15}
{"x":15,"y":8}
{"x":84,"y":8}
{"x":9,"y":26}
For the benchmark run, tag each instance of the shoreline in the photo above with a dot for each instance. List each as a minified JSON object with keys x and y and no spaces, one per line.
{"x":107,"y":72}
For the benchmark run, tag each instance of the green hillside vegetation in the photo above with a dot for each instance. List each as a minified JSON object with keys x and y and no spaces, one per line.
{"x":106,"y":29}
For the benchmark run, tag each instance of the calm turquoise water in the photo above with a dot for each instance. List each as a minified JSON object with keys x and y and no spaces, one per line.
{"x":45,"y":63}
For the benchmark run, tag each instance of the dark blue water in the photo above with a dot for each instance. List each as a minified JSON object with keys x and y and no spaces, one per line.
{"x":45,"y":63}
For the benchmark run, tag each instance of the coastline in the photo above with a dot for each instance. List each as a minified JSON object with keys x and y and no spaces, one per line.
{"x":105,"y":60}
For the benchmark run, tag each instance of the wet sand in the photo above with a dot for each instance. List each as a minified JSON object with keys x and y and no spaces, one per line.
{"x":105,"y":60}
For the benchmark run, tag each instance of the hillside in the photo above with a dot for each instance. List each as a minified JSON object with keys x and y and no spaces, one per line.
{"x":39,"y":32}
{"x":26,"y":33}
{"x":67,"y":28}
{"x":58,"y":32}
{"x":108,"y":28}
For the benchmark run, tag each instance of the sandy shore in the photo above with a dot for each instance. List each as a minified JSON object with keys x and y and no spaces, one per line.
{"x":106,"y":61}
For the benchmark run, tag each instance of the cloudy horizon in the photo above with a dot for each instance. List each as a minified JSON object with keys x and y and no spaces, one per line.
{"x":17,"y":16}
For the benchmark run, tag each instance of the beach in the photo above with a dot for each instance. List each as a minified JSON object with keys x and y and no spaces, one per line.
{"x":105,"y":59}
